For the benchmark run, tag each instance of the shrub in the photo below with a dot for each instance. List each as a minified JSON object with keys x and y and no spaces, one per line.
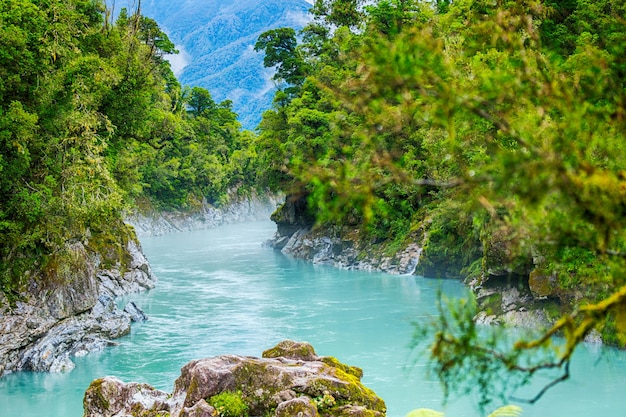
{"x":229,"y":404}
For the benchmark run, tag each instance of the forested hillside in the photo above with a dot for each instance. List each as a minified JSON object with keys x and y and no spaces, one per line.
{"x":93,"y":121}
{"x":216,"y":40}
{"x":494,"y":129}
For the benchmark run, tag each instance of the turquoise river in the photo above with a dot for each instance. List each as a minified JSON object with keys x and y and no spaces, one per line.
{"x":220,"y":291}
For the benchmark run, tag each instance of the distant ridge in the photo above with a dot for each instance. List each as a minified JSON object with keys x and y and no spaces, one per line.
{"x":216,"y":39}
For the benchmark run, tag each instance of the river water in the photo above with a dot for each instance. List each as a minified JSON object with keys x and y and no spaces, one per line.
{"x":220,"y":291}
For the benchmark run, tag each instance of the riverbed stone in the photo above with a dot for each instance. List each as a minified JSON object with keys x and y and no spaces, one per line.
{"x":291,"y":350}
{"x":199,"y":409}
{"x":277,"y":385}
{"x":109,"y":396}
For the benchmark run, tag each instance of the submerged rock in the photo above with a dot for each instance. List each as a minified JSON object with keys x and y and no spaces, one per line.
{"x":296,"y":383}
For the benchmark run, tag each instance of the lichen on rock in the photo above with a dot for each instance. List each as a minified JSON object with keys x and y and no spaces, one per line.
{"x":298,"y":382}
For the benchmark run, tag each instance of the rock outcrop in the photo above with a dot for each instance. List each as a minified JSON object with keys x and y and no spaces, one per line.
{"x":288,"y":380}
{"x":74,"y":313}
{"x":239,"y":210}
{"x":340,"y":246}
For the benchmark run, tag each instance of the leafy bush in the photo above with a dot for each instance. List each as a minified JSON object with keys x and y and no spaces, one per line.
{"x":229,"y":404}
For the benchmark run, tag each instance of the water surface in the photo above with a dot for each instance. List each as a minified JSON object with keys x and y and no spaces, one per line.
{"x":220,"y":291}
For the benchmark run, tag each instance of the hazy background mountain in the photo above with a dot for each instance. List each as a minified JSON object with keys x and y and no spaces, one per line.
{"x":216,"y":38}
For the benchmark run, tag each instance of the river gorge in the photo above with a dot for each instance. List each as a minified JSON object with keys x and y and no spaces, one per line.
{"x":221,"y":291}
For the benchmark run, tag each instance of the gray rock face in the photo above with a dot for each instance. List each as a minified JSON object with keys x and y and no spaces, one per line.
{"x":342,"y":247}
{"x":51,"y":325}
{"x":136,"y":277}
{"x":76,"y":336}
{"x":239,"y":210}
{"x":280,"y":386}
{"x":135,"y":313}
{"x":109,"y":396}
{"x":339,"y":251}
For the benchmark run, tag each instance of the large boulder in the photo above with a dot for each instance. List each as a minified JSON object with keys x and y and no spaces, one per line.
{"x":290,"y":380}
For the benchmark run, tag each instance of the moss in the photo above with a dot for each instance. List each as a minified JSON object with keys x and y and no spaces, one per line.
{"x":112,"y":246}
{"x":137,"y":410}
{"x":610,"y":334}
{"x":302,"y":406}
{"x":347,"y":411}
{"x":192,"y":391}
{"x":249,"y":373}
{"x":348,"y":390}
{"x":552,"y":309}
{"x":291,"y":350}
{"x":492,"y":304}
{"x":255,"y":374}
{"x":352,"y":370}
{"x":95,"y":394}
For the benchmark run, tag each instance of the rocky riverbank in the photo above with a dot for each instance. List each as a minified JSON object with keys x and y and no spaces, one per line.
{"x":511,"y":291}
{"x":75,"y":313}
{"x":288,"y":380}
{"x":342,"y":247}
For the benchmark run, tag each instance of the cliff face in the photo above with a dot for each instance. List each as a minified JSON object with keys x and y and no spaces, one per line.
{"x":74,"y":313}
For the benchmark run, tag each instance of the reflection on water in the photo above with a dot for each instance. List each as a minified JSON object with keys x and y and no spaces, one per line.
{"x":220,"y":291}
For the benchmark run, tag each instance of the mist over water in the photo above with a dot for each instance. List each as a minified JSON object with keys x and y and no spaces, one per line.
{"x":220,"y":292}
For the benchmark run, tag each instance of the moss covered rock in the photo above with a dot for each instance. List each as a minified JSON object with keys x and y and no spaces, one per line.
{"x":109,"y":396}
{"x":292,"y":350}
{"x":298,"y":382}
{"x":301,"y":407}
{"x":72,"y":311}
{"x":543,"y":285}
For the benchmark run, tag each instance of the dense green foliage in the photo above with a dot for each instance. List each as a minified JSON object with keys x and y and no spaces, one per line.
{"x":497,"y":126}
{"x":229,"y":404}
{"x":92,"y":120}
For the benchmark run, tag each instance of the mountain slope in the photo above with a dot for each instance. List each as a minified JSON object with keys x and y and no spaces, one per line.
{"x":216,"y":40}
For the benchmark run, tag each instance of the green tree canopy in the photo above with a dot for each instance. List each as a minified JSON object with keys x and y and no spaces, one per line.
{"x":281,"y":51}
{"x":93,"y":121}
{"x":489,"y":124}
